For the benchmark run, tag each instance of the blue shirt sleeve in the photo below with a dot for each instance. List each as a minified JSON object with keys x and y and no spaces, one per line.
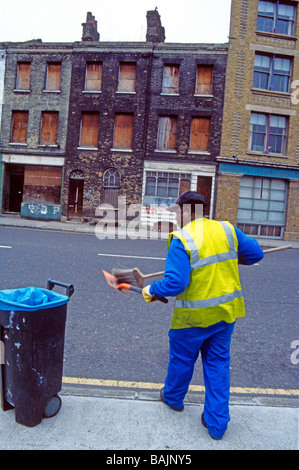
{"x":249,"y":251}
{"x":176,"y":274}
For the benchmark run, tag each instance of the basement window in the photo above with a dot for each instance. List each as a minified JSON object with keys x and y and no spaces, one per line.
{"x":23,"y":76}
{"x":127,"y":77}
{"x":93,"y":76}
{"x":89,"y":130}
{"x":200,"y":134}
{"x":49,"y":128}
{"x":53,"y":76}
{"x":19,"y":127}
{"x":167,"y":130}
{"x":123,"y":131}
{"x":204,"y":78}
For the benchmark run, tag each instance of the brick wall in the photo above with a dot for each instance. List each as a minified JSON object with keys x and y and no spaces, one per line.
{"x":292,"y":227}
{"x":228,"y":197}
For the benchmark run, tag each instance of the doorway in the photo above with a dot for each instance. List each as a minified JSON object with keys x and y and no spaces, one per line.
{"x":13,"y":188}
{"x":204,"y":187}
{"x":76,"y":194}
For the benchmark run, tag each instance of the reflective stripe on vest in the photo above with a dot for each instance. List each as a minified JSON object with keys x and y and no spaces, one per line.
{"x":200,"y":263}
{"x":213,"y":302}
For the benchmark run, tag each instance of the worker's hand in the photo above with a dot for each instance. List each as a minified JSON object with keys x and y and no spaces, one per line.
{"x":147,"y":296}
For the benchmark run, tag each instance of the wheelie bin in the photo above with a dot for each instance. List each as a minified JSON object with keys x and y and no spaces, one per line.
{"x":32,"y":330}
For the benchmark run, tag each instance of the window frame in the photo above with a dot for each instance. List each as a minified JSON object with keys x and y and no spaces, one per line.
{"x":86,"y":145}
{"x":173,"y":79}
{"x":56,"y":89}
{"x":275,"y":18}
{"x":257,"y":196}
{"x":201,"y":85}
{"x":98,"y":79}
{"x":167,"y":131}
{"x":268,"y":135}
{"x":22,"y":124}
{"x":42,"y":129}
{"x":18,"y":76}
{"x":192,"y":148}
{"x":168,"y":176}
{"x":117,"y":138}
{"x":122,"y":78}
{"x":272,"y":73}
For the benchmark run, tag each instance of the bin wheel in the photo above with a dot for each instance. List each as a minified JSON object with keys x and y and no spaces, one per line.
{"x":52,"y":407}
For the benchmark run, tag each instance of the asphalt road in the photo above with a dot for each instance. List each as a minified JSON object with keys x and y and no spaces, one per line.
{"x":115,"y":336}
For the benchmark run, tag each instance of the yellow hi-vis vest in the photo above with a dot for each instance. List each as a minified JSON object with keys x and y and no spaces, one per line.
{"x":214,"y":291}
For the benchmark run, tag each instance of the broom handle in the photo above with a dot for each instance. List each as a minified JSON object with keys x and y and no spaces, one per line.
{"x":160,"y":273}
{"x":277,"y":248}
{"x":269,"y":250}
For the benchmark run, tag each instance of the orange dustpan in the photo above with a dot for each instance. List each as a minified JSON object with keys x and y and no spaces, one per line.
{"x":124,"y":287}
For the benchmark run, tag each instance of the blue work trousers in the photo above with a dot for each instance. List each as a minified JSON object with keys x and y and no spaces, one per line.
{"x":214,"y":344}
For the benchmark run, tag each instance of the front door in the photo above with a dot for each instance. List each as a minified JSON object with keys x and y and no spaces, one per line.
{"x":76,"y":195}
{"x":204,"y":187}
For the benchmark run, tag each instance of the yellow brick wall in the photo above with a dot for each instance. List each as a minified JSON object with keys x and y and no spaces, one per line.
{"x":228,"y":197}
{"x":241,"y":99}
{"x":292,"y":217}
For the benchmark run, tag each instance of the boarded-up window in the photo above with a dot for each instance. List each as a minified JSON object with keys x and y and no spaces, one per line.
{"x":204,"y":80}
{"x":89,"y":130}
{"x":42,"y":184}
{"x":23,"y":76}
{"x":184,"y":185}
{"x":200,"y":133}
{"x":167,"y":133}
{"x":123,"y":131}
{"x":19,"y":126}
{"x":53,"y":76}
{"x":49,"y":127}
{"x":42,"y":175}
{"x":93,"y":77}
{"x":170,"y":79}
{"x":127,"y":76}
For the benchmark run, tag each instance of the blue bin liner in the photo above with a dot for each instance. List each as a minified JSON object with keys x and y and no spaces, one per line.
{"x":30,"y":299}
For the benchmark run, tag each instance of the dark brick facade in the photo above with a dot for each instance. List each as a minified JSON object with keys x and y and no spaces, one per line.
{"x":146,"y":104}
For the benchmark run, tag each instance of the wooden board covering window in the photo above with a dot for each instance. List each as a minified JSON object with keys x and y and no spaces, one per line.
{"x":53,"y":76}
{"x":204,"y":80}
{"x":127,"y":76}
{"x":167,"y":133}
{"x":200,"y":133}
{"x":185,"y":185}
{"x":93,"y":78}
{"x":170,"y":79}
{"x":123,"y":131}
{"x":40,"y":175}
{"x":23,"y":76}
{"x":89,"y":130}
{"x":49,"y":127}
{"x":19,"y":126}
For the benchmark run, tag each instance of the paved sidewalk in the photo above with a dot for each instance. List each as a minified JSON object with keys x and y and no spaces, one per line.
{"x":126,"y":423}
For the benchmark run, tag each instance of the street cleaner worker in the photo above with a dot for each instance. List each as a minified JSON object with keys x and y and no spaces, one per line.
{"x":201,"y":271}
